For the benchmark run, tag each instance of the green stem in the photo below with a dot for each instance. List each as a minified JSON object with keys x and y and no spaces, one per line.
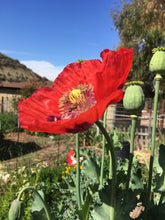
{"x":103,"y":151}
{"x":114,"y":178}
{"x":145,"y":160}
{"x":157,"y":84}
{"x":134,"y":118}
{"x":78,"y":172}
{"x":110,"y":166}
{"x":41,"y":199}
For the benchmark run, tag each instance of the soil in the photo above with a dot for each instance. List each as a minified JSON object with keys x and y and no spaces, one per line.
{"x":45,"y":149}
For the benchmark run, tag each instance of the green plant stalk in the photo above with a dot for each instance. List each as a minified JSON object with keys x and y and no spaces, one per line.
{"x":114,"y":178}
{"x":110,"y":166}
{"x":103,"y":151}
{"x":145,"y":160}
{"x":41,"y":199}
{"x":133,"y":126}
{"x":157,"y":85}
{"x":78,"y":172}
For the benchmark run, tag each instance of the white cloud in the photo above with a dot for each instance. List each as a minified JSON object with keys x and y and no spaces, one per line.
{"x":14,"y":52}
{"x":43,"y":68}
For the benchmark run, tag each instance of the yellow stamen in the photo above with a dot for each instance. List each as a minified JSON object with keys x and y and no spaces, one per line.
{"x":75,"y":95}
{"x":76,"y":101}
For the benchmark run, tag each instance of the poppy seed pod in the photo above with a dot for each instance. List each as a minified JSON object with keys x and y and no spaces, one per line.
{"x":134,"y":99}
{"x":157,"y":62}
{"x":16,"y":210}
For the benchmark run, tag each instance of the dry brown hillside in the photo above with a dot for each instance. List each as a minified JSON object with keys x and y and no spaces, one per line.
{"x":11,"y":70}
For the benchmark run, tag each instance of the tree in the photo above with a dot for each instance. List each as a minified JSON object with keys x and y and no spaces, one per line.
{"x":141,"y":26}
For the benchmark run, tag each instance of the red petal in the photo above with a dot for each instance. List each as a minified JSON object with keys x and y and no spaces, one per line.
{"x":37,"y":121}
{"x":116,"y":66}
{"x":75,"y":74}
{"x":106,"y":77}
{"x":69,"y":159}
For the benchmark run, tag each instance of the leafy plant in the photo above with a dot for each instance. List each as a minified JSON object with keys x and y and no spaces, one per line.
{"x":9,"y":122}
{"x":41,"y":176}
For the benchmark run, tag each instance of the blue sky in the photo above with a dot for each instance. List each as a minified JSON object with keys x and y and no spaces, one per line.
{"x":47,"y":35}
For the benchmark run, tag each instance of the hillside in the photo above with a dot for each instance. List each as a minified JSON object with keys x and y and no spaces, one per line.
{"x":11,"y":70}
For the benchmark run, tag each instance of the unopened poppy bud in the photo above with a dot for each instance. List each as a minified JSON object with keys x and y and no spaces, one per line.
{"x":157,"y":62}
{"x":134,"y":99}
{"x":16,"y":210}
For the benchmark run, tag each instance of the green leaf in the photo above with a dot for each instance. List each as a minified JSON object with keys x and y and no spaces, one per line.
{"x":125,"y":202}
{"x":162,"y":156}
{"x":85,"y":210}
{"x":156,"y":166}
{"x":37,"y":208}
{"x":36,"y":204}
{"x":101,"y":212}
{"x":91,"y":169}
{"x":136,"y":181}
{"x":39,"y":215}
{"x":115,"y":140}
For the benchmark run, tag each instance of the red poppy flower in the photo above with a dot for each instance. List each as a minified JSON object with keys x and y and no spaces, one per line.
{"x":71,"y":160}
{"x":79,"y":96}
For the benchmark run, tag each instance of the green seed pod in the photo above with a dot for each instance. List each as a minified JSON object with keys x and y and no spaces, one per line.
{"x":134,"y":99}
{"x":157,"y":62}
{"x":16,"y":210}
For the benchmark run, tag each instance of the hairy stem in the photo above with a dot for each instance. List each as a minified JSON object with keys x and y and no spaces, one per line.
{"x":110,"y":166}
{"x":114,"y":178}
{"x":103,"y":151}
{"x":78,"y":172}
{"x":134,"y":118}
{"x":157,"y":84}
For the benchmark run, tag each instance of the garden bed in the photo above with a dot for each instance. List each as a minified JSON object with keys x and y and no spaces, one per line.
{"x":40,"y":149}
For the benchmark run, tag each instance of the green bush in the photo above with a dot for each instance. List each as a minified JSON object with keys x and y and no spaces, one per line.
{"x":9,"y":122}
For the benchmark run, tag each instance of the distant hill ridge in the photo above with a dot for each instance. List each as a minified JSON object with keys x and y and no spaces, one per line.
{"x":11,"y":70}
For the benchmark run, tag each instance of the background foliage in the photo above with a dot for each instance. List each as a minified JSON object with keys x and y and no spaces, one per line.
{"x":141,"y":26}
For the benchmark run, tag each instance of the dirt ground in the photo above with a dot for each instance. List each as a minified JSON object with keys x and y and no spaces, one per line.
{"x":49,"y":152}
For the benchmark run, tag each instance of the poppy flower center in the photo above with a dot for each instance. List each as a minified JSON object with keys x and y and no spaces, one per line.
{"x":76,"y":96}
{"x":76,"y":101}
